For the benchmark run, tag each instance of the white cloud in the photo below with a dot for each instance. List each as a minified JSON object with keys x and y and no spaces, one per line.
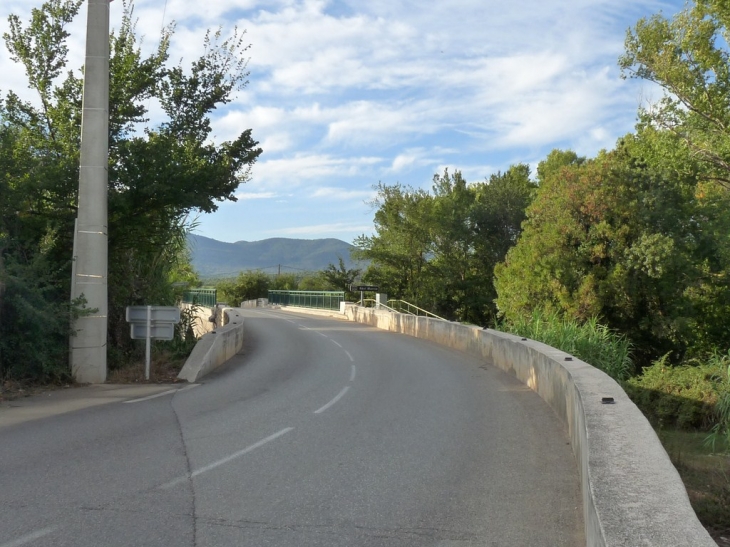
{"x":343,"y":194}
{"x":293,"y":171}
{"x":255,"y":195}
{"x":324,"y":229}
{"x":344,"y":93}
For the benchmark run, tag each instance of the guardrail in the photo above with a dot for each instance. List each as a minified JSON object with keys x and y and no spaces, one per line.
{"x":325,"y":300}
{"x":203,"y":297}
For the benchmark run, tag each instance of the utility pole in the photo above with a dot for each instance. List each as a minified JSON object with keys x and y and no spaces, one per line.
{"x":90,"y":261}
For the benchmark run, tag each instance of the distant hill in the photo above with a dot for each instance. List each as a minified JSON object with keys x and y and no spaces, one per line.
{"x":213,"y":258}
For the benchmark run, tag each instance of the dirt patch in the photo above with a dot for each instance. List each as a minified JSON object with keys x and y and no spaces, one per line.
{"x":706,"y":476}
{"x":13,"y":389}
{"x":162,"y":371}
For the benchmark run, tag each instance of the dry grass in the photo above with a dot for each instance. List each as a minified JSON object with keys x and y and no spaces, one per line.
{"x":706,"y":476}
{"x":163,"y":370}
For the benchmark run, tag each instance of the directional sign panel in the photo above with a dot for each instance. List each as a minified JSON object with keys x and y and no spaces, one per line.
{"x":159,"y":331}
{"x":166,"y":314}
{"x":362,"y":288}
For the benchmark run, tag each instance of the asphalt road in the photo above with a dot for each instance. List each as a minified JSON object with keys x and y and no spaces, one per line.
{"x":320,"y":433}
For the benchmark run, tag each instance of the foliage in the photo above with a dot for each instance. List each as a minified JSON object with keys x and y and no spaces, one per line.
{"x":438,"y":250}
{"x":721,"y":429}
{"x":680,"y":396}
{"x":590,"y":341}
{"x":626,"y":239}
{"x":247,"y":286}
{"x":688,"y":56}
{"x":34,"y":323}
{"x":158,"y":175}
{"x":339,"y":278}
{"x":402,"y":245}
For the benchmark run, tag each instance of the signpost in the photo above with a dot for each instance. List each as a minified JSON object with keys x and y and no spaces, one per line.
{"x":152,"y":322}
{"x":363,"y":289}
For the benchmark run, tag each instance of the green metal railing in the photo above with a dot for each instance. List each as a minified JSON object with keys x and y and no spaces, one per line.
{"x":326,"y":300}
{"x":202,"y":297}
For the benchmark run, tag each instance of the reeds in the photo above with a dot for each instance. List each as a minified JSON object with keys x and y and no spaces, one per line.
{"x":590,"y":341}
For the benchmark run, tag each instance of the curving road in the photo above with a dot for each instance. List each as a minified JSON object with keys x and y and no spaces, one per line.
{"x":321,"y":433}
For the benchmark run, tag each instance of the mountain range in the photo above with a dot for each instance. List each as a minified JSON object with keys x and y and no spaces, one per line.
{"x":213,"y":258}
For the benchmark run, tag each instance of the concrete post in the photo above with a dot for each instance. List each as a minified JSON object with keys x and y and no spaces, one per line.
{"x":88,"y":346}
{"x":380,"y":298}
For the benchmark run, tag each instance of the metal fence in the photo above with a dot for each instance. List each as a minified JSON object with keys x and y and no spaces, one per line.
{"x":326,"y":300}
{"x":202,"y":297}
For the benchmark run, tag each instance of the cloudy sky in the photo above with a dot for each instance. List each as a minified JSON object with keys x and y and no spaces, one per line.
{"x":344,"y":94}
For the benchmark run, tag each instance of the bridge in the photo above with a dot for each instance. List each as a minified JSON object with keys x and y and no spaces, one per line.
{"x":369,"y":428}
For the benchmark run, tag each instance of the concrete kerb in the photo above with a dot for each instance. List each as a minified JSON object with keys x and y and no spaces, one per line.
{"x":632,"y":494}
{"x":216,"y":347}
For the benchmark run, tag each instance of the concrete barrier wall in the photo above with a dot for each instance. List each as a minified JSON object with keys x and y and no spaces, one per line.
{"x":632,"y":494}
{"x":215,"y":347}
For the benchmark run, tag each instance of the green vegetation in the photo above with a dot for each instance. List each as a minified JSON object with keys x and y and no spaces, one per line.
{"x":159,"y":177}
{"x":685,"y":396}
{"x":256,"y":284}
{"x":438,"y":250}
{"x":589,"y":341}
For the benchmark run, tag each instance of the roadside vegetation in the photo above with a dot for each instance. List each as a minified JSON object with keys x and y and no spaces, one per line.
{"x":161,"y":174}
{"x":255,"y":284}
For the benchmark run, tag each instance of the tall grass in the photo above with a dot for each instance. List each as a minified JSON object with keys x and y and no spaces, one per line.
{"x":592,"y":342}
{"x":721,"y":430}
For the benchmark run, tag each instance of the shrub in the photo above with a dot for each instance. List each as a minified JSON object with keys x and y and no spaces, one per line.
{"x":683,"y":396}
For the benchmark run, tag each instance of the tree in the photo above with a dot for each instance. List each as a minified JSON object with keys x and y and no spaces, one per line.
{"x":687,"y":56}
{"x":339,"y":278}
{"x":621,"y":238}
{"x":247,"y":286}
{"x":400,"y":249}
{"x":438,"y":250}
{"x":159,"y":175}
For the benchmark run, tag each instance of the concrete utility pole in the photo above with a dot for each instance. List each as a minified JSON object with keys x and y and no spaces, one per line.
{"x":89,"y":274}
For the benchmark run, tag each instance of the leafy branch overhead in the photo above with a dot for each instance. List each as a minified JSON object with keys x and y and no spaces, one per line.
{"x":687,"y":56}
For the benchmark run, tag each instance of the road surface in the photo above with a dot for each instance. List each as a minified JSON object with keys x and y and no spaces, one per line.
{"x":320,"y":433}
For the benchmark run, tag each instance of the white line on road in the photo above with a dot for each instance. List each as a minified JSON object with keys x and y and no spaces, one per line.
{"x":227,"y":459}
{"x":162,"y":394}
{"x":322,"y":334}
{"x":335,"y":343}
{"x":29,"y":537}
{"x":350,"y":356}
{"x":333,"y":401}
{"x":150,"y":397}
{"x":352,"y":374}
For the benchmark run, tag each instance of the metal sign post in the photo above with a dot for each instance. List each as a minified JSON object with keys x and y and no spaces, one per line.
{"x":152,"y":322}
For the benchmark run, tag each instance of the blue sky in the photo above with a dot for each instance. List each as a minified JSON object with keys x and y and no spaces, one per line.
{"x":345,"y":94}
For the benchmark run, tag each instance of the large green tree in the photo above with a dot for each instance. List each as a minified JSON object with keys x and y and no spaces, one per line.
{"x":438,"y":250}
{"x":624,"y":238}
{"x":687,"y":55}
{"x":161,"y":172}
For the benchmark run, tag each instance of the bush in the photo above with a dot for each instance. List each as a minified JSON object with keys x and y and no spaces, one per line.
{"x":591,"y":342}
{"x":683,"y":396}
